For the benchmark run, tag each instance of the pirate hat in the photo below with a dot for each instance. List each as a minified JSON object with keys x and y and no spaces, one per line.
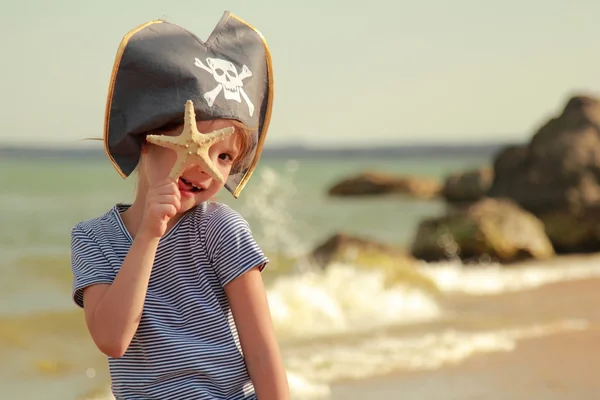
{"x":159,"y":66}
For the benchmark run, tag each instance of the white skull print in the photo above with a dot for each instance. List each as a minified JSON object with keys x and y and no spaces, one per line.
{"x":228,"y":80}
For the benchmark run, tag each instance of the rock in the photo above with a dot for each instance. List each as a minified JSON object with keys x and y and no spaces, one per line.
{"x":573,"y":232}
{"x":376,"y":183}
{"x":397,"y":264}
{"x":490,"y":229}
{"x":556,"y":176}
{"x":341,"y":247}
{"x":467,"y":187}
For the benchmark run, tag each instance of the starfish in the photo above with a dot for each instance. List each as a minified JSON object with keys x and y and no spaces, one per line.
{"x":192,"y":146}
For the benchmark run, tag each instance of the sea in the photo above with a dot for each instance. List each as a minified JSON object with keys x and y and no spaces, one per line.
{"x":339,"y":324}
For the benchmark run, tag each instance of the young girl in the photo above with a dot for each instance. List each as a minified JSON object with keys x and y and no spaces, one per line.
{"x":171,"y":284}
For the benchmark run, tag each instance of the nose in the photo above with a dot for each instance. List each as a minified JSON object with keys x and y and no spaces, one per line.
{"x":199,"y":173}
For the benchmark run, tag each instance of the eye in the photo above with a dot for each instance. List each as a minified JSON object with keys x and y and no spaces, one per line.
{"x":226,"y":157}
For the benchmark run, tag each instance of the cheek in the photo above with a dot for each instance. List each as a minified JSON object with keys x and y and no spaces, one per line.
{"x":168,"y":158}
{"x":162,"y":157}
{"x":158,"y":162}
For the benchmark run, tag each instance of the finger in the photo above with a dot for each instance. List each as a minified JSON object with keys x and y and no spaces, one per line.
{"x":168,"y":199}
{"x":177,"y":202}
{"x":170,"y":210}
{"x":167,"y":189}
{"x":171,"y":199}
{"x":165,"y":211}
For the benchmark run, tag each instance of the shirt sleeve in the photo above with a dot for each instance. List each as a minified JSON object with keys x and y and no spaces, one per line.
{"x":88,"y":264}
{"x":231,"y":246}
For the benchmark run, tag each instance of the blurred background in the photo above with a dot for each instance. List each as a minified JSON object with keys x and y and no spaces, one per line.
{"x":428,"y":194}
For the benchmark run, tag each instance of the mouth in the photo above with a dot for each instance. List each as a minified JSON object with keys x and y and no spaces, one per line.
{"x":188,"y":186}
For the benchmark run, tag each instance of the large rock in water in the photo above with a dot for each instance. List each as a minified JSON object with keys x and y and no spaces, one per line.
{"x":468,"y":186}
{"x":556,"y":176}
{"x":489,"y":229}
{"x":376,"y":183}
{"x":396,"y":263}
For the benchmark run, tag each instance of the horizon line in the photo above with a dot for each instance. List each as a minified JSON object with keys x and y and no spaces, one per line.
{"x":370,"y":144}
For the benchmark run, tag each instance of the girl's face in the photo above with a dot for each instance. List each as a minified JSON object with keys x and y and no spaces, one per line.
{"x":195,"y":184}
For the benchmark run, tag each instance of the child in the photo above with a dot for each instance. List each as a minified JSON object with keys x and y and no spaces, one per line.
{"x":171,"y":284}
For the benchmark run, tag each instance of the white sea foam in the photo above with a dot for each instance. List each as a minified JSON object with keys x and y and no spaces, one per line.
{"x":346,"y":299}
{"x":377,"y":355}
{"x":343,"y":299}
{"x":491,"y":279}
{"x":303,"y":389}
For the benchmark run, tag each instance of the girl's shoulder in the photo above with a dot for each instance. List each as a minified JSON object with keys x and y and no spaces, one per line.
{"x":108,"y":223}
{"x":218,"y":220}
{"x":213,"y":213}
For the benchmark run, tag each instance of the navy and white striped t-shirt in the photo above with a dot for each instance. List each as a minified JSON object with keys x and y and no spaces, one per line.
{"x":186,"y":346}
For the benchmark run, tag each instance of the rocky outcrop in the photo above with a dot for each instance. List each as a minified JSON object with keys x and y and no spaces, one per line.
{"x":490,"y":229}
{"x":375,"y":183}
{"x":397,"y":264}
{"x":573,"y":231}
{"x":557,"y":176}
{"x":342,"y":247}
{"x":468,"y":186}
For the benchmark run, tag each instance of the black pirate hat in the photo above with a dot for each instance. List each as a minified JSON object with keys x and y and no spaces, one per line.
{"x":160,"y":66}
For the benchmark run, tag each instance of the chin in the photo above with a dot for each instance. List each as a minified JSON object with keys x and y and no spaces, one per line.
{"x":188,"y":203}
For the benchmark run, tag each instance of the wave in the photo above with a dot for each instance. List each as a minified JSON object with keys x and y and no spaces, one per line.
{"x":348,"y":299}
{"x":378,"y":355}
{"x":490,"y":279}
{"x":343,"y":299}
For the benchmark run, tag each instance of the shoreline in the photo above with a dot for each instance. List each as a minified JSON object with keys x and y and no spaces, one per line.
{"x":552,"y":367}
{"x":559,"y":365}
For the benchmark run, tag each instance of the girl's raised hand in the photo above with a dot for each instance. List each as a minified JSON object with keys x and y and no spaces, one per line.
{"x":163,"y":201}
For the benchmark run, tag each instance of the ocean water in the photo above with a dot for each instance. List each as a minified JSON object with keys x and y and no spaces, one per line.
{"x":343,"y":323}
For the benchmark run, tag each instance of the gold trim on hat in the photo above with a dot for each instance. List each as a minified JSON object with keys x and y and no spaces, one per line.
{"x":267,"y":120}
{"x":111,"y":87}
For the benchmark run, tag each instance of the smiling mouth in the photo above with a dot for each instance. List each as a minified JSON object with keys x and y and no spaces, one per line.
{"x":189,"y":186}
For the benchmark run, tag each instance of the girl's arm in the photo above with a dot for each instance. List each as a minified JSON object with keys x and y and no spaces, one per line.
{"x":250,"y":309}
{"x":113,"y":312}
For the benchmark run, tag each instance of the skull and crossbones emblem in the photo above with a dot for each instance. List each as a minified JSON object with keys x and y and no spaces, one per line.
{"x":228,"y":79}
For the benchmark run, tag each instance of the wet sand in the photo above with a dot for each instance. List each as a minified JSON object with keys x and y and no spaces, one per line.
{"x":560,"y":366}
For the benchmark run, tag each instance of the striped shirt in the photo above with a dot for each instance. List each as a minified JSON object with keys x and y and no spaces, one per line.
{"x":186,"y":345}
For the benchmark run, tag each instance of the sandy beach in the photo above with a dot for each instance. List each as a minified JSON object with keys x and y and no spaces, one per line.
{"x":559,"y":366}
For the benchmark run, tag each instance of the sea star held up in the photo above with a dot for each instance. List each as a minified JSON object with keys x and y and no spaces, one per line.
{"x":192,"y":146}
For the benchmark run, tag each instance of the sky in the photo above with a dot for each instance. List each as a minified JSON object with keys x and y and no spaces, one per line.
{"x":346,"y":72}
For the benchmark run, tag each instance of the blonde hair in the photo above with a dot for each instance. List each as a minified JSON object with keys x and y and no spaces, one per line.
{"x":246,"y":143}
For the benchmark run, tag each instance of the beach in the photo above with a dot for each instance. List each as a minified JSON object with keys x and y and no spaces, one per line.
{"x":562,"y":365}
{"x":346,"y":331}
